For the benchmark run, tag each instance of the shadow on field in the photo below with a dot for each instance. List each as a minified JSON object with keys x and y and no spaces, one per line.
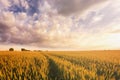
{"x":54,"y":72}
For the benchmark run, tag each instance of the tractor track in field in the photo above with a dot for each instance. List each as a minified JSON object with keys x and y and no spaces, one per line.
{"x":54,"y":71}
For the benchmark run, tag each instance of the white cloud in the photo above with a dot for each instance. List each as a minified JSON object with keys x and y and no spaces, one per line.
{"x":5,"y":3}
{"x":8,"y":18}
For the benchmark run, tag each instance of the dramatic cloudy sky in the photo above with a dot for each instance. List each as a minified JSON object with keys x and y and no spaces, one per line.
{"x":60,"y":24}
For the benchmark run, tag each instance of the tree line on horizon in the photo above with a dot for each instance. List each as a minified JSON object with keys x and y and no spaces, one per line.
{"x":23,"y":49}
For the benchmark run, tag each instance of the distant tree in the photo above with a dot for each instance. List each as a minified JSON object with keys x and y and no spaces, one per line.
{"x":11,"y":49}
{"x":23,"y":49}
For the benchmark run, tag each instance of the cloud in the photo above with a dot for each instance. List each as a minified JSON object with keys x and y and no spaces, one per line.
{"x":17,"y":6}
{"x":7,"y":18}
{"x":41,"y":23}
{"x":67,"y":7}
{"x":115,"y":31}
{"x":22,"y":29}
{"x":19,"y":35}
{"x":4,"y":32}
{"x":4,"y":3}
{"x":34,"y":6}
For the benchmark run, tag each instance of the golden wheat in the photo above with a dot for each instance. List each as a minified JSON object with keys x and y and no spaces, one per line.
{"x":57,"y":65}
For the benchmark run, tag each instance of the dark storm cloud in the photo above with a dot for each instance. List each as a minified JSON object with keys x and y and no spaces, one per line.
{"x":67,"y":7}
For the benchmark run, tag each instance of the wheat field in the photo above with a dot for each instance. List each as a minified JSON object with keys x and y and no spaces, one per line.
{"x":60,"y":65}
